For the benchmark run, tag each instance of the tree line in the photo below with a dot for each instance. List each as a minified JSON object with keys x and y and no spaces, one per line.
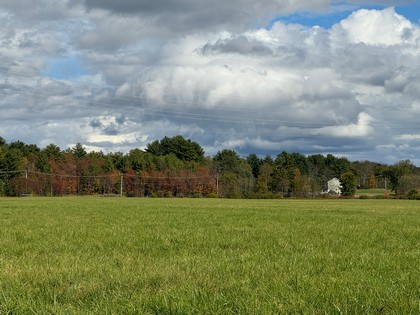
{"x":178,"y":167}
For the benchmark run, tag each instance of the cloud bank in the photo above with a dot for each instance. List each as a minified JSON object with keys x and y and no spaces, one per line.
{"x":118,"y":75}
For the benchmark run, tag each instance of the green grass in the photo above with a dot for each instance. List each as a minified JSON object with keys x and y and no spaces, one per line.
{"x":209,"y":256}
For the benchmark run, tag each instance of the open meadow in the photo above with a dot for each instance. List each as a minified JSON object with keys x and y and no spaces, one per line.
{"x":97,"y":255}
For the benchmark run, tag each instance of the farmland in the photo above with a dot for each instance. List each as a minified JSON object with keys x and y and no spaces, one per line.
{"x":98,"y":255}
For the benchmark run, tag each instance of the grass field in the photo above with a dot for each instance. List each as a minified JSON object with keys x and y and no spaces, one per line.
{"x":209,"y":256}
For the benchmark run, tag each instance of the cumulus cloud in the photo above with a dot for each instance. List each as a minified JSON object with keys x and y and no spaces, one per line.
{"x":239,"y":45}
{"x":360,"y":129}
{"x":143,"y":70}
{"x":378,"y":27}
{"x":201,"y":14}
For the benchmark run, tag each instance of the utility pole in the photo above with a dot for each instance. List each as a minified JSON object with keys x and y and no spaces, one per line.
{"x":26,"y":181}
{"x":217,"y":185}
{"x":121,"y":186}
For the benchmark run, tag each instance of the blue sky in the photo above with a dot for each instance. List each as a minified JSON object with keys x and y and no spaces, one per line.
{"x":339,"y":12}
{"x":70,"y":67}
{"x":411,"y":12}
{"x":65,"y":68}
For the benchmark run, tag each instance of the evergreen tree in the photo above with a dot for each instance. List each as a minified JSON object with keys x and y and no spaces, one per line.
{"x":348,"y":183}
{"x":183,"y":149}
{"x":78,"y":151}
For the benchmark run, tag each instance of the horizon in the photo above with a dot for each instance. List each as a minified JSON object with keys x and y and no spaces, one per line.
{"x":262,"y":157}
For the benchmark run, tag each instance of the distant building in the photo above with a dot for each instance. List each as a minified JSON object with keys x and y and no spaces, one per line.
{"x":333,"y":186}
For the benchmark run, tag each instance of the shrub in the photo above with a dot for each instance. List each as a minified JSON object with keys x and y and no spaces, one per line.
{"x":234,"y":195}
{"x":415,"y":197}
{"x":413,"y":194}
{"x":261,"y":196}
{"x":330,"y":195}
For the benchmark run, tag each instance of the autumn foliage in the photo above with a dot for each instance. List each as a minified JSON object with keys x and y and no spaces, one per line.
{"x":175,"y":167}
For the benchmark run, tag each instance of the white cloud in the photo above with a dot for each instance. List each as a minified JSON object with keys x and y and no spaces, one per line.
{"x":360,"y":129}
{"x":409,"y":137}
{"x":378,"y":27}
{"x":344,"y":90}
{"x":130,"y":138}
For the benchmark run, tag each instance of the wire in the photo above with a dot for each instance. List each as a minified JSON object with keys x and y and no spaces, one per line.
{"x":174,"y":114}
{"x":142,"y":176}
{"x":235,"y":118}
{"x":175,"y":103}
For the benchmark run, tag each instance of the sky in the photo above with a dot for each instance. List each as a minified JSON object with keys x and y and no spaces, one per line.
{"x":307,"y":76}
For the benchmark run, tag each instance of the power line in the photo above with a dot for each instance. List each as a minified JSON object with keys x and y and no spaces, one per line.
{"x":185,"y":115}
{"x":10,"y":172}
{"x":173,"y":103}
{"x":209,"y":115}
{"x":176,"y":114}
{"x":106,"y":182}
{"x":139,"y":176}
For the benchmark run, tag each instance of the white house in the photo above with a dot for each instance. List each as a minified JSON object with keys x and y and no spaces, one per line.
{"x":334,"y":186}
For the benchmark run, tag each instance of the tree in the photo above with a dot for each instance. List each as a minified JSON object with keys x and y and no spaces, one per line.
{"x":288,"y":172}
{"x":317,"y":169}
{"x":119,"y":161}
{"x":10,"y":170}
{"x":229,"y":184}
{"x":227,"y":161}
{"x":78,"y":151}
{"x":136,"y":159}
{"x":265,"y":172}
{"x":42,"y":164}
{"x":12,"y":160}
{"x":264,"y":178}
{"x":26,"y":150}
{"x":372,"y":181}
{"x":52,"y":151}
{"x":2,"y":142}
{"x":300,"y":161}
{"x":363,"y":171}
{"x":337,"y":166}
{"x":280,"y":182}
{"x":348,"y":184}
{"x":255,"y":162}
{"x":154,"y":148}
{"x":261,"y":187}
{"x":296,"y":183}
{"x":233,"y":169}
{"x":268,"y":159}
{"x":406,"y":183}
{"x":186,"y":150}
{"x":396,"y":172}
